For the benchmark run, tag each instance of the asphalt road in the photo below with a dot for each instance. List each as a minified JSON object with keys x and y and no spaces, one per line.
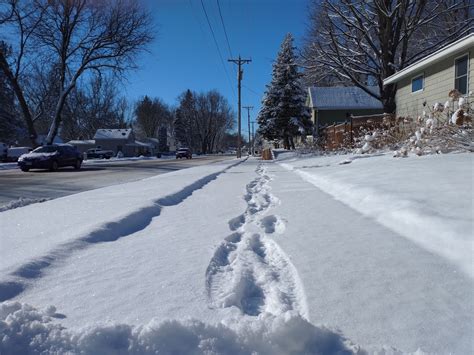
{"x":15,"y":184}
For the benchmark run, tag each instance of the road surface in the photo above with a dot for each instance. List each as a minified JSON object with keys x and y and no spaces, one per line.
{"x":15,"y":184}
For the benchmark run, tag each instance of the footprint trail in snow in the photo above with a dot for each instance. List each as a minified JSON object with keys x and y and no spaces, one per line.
{"x":248,"y":269}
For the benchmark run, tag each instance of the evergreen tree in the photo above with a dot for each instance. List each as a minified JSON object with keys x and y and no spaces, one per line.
{"x":284,"y":114}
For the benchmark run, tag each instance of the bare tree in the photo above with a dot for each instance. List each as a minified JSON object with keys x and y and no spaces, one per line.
{"x":92,"y":106}
{"x":21,"y":17}
{"x":79,"y":36}
{"x":213,"y":118}
{"x":151,"y":116}
{"x":87,"y":35}
{"x":366,"y":41}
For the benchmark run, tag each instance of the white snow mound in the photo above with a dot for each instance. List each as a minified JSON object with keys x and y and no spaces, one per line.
{"x":25,"y":329}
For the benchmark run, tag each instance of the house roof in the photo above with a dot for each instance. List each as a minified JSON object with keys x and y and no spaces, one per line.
{"x":449,"y":50}
{"x":113,"y":133}
{"x":342,"y":98}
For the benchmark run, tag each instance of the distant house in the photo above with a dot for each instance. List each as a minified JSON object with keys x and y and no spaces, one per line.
{"x":433,"y":77}
{"x":116,"y":140}
{"x":331,"y":105}
{"x":121,"y":140}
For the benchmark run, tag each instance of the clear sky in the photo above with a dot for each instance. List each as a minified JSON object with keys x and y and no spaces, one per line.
{"x":184,"y":54}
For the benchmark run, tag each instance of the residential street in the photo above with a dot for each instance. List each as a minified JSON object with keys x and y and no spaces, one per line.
{"x":38,"y":184}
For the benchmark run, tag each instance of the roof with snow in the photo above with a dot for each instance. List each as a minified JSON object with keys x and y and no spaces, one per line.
{"x":113,"y":133}
{"x":451,"y":49}
{"x":342,"y":98}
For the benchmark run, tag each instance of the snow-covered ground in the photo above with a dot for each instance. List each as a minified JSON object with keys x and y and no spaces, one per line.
{"x":322,"y":255}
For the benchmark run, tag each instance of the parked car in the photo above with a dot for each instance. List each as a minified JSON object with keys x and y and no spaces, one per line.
{"x":51,"y":157}
{"x":184,"y":153}
{"x":14,"y":153}
{"x":94,"y":153}
{"x":3,"y":151}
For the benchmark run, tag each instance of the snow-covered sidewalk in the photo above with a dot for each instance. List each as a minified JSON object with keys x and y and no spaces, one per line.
{"x":236,"y":257}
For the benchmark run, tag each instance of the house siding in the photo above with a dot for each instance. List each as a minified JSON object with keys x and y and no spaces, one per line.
{"x":114,"y":144}
{"x":438,"y":82}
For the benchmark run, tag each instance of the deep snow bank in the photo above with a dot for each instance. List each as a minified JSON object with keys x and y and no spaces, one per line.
{"x":25,"y":329}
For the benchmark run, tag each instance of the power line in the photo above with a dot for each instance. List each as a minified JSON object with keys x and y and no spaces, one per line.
{"x":218,"y":49}
{"x":251,"y":90}
{"x":225,"y":32}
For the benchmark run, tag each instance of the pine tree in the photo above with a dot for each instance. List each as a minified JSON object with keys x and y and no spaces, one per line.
{"x":284,"y":114}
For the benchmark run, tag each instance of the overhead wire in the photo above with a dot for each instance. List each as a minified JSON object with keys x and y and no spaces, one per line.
{"x":225,"y":31}
{"x":217,"y":46}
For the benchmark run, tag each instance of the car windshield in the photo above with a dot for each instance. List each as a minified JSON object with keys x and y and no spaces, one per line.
{"x":46,"y":149}
{"x":183,"y":150}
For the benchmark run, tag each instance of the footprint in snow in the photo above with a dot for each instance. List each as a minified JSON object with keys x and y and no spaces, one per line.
{"x":273,"y":224}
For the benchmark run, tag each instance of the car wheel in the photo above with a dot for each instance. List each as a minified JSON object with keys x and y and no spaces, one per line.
{"x":54,"y":166}
{"x":25,"y":169}
{"x":101,"y":157}
{"x":78,"y":164}
{"x":107,"y":157}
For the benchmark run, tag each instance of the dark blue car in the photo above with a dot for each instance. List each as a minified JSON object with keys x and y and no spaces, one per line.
{"x":51,"y":157}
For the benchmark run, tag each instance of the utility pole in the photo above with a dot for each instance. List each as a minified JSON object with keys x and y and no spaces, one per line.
{"x":253,"y":137}
{"x":239,"y":62}
{"x":248,"y":120}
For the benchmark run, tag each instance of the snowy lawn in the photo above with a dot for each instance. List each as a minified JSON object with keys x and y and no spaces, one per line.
{"x":301,"y":255}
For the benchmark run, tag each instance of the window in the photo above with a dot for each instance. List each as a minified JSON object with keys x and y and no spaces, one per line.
{"x":460,"y":78}
{"x":417,"y":83}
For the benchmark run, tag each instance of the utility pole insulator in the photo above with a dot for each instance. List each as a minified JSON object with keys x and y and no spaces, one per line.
{"x":239,"y":62}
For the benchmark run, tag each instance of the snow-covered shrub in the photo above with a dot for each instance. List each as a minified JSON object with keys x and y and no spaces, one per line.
{"x":440,"y":128}
{"x":388,"y":135}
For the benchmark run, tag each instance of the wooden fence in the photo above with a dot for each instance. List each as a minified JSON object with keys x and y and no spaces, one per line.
{"x":343,"y":135}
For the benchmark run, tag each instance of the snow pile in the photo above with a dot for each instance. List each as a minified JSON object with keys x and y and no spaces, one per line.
{"x":25,"y":329}
{"x":22,"y":201}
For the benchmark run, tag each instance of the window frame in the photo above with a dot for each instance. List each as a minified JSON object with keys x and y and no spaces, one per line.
{"x":467,"y":72}
{"x":422,"y":76}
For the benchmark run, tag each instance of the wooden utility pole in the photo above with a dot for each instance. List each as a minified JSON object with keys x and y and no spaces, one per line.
{"x":248,"y":120}
{"x":253,"y":137}
{"x":239,"y":62}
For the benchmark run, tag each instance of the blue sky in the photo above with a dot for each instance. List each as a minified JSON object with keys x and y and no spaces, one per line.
{"x":184,"y":54}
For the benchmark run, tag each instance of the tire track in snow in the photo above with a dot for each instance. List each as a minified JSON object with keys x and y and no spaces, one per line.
{"x":248,"y":269}
{"x":18,"y":280}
